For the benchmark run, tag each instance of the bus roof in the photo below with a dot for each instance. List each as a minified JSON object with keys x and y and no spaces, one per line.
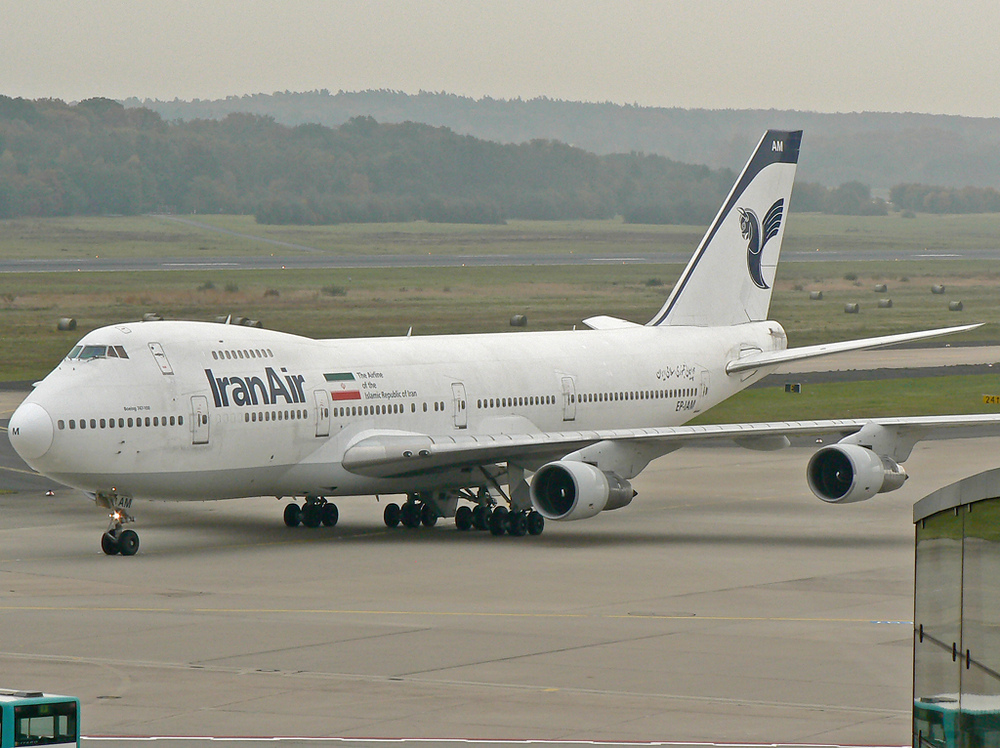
{"x":9,"y":695}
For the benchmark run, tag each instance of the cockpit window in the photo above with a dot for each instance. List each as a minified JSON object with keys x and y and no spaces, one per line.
{"x":88,"y":352}
{"x":93,"y":351}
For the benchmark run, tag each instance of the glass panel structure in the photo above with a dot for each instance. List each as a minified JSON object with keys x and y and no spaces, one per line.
{"x":956,"y":647}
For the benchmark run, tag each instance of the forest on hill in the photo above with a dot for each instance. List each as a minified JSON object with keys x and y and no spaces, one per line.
{"x":98,"y":157}
{"x":874,"y":148}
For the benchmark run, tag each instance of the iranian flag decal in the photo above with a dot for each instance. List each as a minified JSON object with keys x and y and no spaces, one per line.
{"x":343,"y":386}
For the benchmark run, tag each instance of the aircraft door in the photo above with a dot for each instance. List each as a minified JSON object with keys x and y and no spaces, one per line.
{"x":569,"y":399}
{"x":461,"y":411}
{"x":322,"y":413}
{"x":161,"y":358}
{"x":199,"y":419}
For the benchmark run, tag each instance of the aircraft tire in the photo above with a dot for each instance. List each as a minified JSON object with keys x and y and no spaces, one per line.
{"x":311,"y":515}
{"x":498,"y":521}
{"x":128,"y":543}
{"x":481,"y":518}
{"x":517,"y":524}
{"x":292,"y":515}
{"x":428,"y":515}
{"x":330,"y":514}
{"x":410,"y":515}
{"x":536,"y":523}
{"x":463,"y":518}
{"x":391,"y":515}
{"x":109,"y":544}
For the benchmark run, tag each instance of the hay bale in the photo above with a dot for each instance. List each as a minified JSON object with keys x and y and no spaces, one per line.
{"x":815,"y":296}
{"x":519,"y":320}
{"x":885,"y":303}
{"x":851,"y":308}
{"x":881,"y":288}
{"x":937,"y":289}
{"x":66,"y":324}
{"x":955,"y":306}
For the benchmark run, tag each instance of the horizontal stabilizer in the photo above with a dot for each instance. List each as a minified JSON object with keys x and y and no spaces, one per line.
{"x":774,"y":358}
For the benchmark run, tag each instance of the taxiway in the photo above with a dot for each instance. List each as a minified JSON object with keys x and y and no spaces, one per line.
{"x":725,"y":604}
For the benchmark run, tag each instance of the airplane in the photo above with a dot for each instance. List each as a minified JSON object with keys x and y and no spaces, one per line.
{"x":501,"y":432}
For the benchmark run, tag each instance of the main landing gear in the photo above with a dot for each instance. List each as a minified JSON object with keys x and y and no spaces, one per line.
{"x":315,"y":512}
{"x":498,"y":520}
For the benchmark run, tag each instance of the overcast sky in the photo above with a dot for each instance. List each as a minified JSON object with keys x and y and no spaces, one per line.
{"x":821,"y":55}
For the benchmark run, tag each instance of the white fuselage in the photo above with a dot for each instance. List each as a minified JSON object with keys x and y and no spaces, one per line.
{"x":210,"y":411}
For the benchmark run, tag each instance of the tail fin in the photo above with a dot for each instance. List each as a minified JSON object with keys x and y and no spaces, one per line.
{"x":728,"y":280}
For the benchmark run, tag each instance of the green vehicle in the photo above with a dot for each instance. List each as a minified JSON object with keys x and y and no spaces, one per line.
{"x":36,"y":718}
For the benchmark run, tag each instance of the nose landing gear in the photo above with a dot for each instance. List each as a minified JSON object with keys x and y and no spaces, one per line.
{"x":117,"y":540}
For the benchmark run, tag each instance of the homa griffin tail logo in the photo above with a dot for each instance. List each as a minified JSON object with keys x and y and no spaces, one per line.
{"x":255,"y":391}
{"x":757,"y":235}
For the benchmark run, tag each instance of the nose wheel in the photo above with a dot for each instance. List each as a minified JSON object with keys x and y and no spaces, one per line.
{"x":126,"y":543}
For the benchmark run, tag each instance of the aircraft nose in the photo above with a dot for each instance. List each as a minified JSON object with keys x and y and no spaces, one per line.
{"x":30,"y":431}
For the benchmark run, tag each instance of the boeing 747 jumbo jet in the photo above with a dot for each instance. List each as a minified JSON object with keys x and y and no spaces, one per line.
{"x":502,"y":432}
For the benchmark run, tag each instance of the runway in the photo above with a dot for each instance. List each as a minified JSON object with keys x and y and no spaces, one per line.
{"x":724,"y":605}
{"x":311,"y":259}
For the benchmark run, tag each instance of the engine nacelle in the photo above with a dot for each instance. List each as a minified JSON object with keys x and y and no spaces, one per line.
{"x":566,"y":490}
{"x":846,"y":473}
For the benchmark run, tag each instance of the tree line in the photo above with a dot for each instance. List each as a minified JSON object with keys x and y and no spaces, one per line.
{"x":99,"y":157}
{"x":876,"y":148}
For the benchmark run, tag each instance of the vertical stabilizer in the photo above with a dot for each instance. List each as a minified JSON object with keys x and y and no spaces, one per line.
{"x":728,"y":280}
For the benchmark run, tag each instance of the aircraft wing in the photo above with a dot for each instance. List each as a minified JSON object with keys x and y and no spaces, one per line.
{"x":396,"y":455}
{"x":773,"y":358}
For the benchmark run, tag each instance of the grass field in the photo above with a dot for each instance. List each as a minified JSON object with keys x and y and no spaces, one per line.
{"x":387,"y":301}
{"x":884,"y":397}
{"x":187,"y":236}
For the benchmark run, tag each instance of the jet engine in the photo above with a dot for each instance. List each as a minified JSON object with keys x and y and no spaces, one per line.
{"x":846,"y":473}
{"x":567,"y":489}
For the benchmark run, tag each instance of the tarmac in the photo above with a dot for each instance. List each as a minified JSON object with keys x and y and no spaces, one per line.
{"x":725,"y":605}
